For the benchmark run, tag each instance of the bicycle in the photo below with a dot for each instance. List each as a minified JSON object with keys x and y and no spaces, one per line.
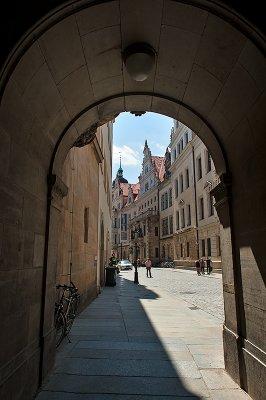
{"x":65,"y":311}
{"x":167,"y":264}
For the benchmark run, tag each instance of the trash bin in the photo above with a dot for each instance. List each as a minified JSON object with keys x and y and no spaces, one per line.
{"x":110,"y":276}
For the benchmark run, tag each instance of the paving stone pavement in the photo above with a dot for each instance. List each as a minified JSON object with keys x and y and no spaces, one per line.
{"x":143,"y":342}
{"x":204,"y":291}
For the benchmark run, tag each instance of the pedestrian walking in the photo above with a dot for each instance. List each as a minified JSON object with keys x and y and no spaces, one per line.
{"x":202,"y":266}
{"x":198,"y":268}
{"x":148,"y":267}
{"x":209,"y":265}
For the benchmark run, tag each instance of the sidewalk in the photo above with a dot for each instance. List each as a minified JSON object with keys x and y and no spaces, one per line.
{"x":141,"y":343}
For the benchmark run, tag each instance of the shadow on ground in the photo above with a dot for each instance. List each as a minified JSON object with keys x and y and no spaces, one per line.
{"x":133,"y":343}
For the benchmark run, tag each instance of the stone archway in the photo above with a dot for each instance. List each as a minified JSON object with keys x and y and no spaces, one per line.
{"x":66,"y":77}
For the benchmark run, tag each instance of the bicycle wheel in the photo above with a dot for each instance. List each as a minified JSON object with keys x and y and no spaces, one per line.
{"x":71,"y":315}
{"x":60,"y":327}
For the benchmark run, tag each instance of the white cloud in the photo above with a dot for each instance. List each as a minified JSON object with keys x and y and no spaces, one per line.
{"x":128,"y":155}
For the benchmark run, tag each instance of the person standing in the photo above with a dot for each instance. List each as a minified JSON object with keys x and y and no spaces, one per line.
{"x":113,"y":260}
{"x":202,"y":265}
{"x":198,"y":267}
{"x":148,"y":267}
{"x":209,"y":265}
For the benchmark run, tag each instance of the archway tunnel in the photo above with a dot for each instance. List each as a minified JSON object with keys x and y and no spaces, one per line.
{"x":66,"y":77}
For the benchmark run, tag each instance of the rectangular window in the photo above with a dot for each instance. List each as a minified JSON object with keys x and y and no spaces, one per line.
{"x":181,"y":183}
{"x":208,"y":161}
{"x":211,"y":208}
{"x":175,"y":154}
{"x":162,"y":202}
{"x":176,"y":188}
{"x":187,"y":178}
{"x":170,"y":197}
{"x":202,"y":248}
{"x":181,"y":144}
{"x":156,"y":231}
{"x":186,"y":138}
{"x":201,"y":208}
{"x":209,"y":247}
{"x":182,"y":218}
{"x":199,"y":168}
{"x":177,"y":221}
{"x":170,"y":224}
{"x":156,"y":252}
{"x":115,"y":239}
{"x":188,"y":215}
{"x":166,"y":200}
{"x":165,"y":229}
{"x":187,"y":249}
{"x":86,"y":225}
{"x":144,"y":229}
{"x":181,"y":250}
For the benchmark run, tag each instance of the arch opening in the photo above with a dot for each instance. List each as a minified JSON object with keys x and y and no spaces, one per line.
{"x":57,"y":89}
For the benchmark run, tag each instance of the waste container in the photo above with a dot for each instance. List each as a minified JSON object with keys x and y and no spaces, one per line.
{"x":110,"y":276}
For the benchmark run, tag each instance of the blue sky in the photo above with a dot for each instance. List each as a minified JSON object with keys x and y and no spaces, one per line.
{"x":130,"y":133}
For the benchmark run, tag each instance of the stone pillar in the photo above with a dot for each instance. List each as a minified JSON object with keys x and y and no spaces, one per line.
{"x":57,"y":190}
{"x":231,"y":329}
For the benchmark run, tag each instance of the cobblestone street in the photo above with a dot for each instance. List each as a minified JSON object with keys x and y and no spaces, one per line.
{"x":204,"y":292}
{"x":145,"y":342}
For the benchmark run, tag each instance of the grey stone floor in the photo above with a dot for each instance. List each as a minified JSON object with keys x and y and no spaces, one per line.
{"x":142,"y":342}
{"x":205,"y":291}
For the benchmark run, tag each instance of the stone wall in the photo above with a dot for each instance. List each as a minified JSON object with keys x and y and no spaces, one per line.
{"x":182,"y":238}
{"x":78,"y":234}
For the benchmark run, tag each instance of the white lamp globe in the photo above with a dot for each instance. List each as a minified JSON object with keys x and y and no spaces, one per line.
{"x":139,"y":59}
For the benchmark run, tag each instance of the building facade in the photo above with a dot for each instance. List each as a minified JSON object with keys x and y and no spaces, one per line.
{"x":136,"y":211}
{"x":85,"y":219}
{"x":187,"y":214}
{"x":169,"y":213}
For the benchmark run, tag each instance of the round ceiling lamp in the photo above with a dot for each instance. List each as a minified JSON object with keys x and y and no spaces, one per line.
{"x":139,"y":59}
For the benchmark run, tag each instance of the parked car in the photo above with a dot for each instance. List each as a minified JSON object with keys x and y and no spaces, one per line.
{"x":124,"y":264}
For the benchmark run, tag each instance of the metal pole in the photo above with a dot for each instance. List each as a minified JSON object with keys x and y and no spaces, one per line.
{"x":136,"y":275}
{"x":195,"y":200}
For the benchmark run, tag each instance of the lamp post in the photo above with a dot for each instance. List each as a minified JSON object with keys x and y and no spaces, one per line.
{"x":136,"y":275}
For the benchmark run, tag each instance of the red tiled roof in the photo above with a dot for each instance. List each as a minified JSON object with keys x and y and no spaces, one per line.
{"x":124,"y":187}
{"x":158,"y":163}
{"x":135,"y":188}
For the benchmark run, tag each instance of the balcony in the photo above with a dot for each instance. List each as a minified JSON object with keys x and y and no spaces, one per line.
{"x":142,"y":216}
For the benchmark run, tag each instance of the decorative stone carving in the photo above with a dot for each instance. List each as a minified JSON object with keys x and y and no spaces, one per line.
{"x":57,"y":189}
{"x":222,"y":194}
{"x":57,"y":186}
{"x":138,"y":113}
{"x":86,"y":137}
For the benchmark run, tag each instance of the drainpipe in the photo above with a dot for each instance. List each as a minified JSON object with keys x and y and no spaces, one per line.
{"x":71,"y":237}
{"x":195,"y":199}
{"x":159,"y":227}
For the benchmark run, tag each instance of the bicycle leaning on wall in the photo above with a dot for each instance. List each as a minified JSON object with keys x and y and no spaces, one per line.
{"x":65,"y":311}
